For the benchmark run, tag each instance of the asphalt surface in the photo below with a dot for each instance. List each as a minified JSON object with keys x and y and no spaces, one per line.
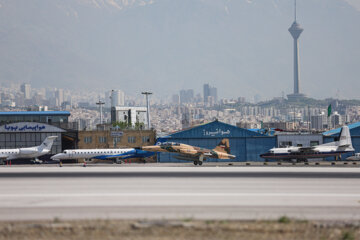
{"x":123,"y":192}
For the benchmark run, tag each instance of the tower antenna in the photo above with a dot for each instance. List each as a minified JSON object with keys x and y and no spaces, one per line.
{"x":295,"y":10}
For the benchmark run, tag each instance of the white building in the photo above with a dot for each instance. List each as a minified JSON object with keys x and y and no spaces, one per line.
{"x":130,"y":115}
{"x":117,"y":98}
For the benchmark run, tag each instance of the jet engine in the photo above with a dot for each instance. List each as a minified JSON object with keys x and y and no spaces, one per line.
{"x":28,"y":151}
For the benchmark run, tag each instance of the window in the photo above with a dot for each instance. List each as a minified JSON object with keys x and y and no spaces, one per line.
{"x":116,"y":140}
{"x":131,"y":139}
{"x":102,"y":140}
{"x":285,"y":144}
{"x":314,"y":143}
{"x":145,"y":139}
{"x":87,"y":139}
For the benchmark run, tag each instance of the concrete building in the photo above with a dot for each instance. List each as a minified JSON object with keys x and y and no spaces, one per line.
{"x":210,"y":93}
{"x":117,"y":98}
{"x":26,"y":90}
{"x":336,"y":120}
{"x":186,"y":96}
{"x":115,"y":138}
{"x":318,"y":121}
{"x":129,"y":115}
{"x":59,"y":97}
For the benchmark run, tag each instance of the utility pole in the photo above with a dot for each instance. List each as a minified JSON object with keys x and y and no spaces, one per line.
{"x":147,"y":107}
{"x":100,"y":103}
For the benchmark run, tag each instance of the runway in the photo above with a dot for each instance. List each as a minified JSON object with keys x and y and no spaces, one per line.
{"x":118,"y":192}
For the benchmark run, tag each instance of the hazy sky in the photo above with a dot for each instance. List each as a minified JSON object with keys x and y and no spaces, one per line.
{"x":242,"y":47}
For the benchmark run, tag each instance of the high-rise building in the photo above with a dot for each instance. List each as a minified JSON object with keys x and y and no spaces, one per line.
{"x":206,"y":92}
{"x":26,"y":90}
{"x":295,"y":31}
{"x":117,"y":98}
{"x":318,"y":121}
{"x":186,"y":96}
{"x":176,"y":99}
{"x":108,"y":99}
{"x":59,"y":96}
{"x":210,"y":92}
{"x":335,"y":120}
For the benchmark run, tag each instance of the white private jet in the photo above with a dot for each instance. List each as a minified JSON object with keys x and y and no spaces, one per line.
{"x":355,"y":157}
{"x":115,"y":155}
{"x":29,"y":152}
{"x":332,"y":149}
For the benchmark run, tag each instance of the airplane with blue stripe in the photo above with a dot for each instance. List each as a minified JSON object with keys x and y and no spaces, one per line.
{"x":115,"y":155}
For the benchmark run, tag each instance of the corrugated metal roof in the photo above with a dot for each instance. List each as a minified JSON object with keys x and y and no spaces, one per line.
{"x":35,"y":113}
{"x":337,"y":130}
{"x":213,"y":129}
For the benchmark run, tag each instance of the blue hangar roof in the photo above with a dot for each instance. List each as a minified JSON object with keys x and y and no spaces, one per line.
{"x":354,"y":130}
{"x":214,"y":129}
{"x":42,"y":113}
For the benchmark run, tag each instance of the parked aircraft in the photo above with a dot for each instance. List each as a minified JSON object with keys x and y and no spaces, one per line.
{"x":29,"y":152}
{"x":115,"y":155}
{"x":332,"y":149}
{"x":192,"y":153}
{"x":355,"y":157}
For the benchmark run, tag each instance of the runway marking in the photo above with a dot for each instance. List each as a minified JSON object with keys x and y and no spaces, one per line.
{"x":179,"y":195}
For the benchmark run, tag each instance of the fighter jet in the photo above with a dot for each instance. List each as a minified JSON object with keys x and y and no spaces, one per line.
{"x":29,"y":152}
{"x":332,"y":149}
{"x":192,"y":153}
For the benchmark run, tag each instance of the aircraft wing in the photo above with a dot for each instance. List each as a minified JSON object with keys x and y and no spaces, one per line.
{"x":4,"y":156}
{"x":118,"y":156}
{"x":306,"y":149}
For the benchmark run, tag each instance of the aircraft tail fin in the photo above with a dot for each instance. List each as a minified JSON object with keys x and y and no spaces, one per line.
{"x":345,"y":138}
{"x":223,"y":146}
{"x":47,"y":143}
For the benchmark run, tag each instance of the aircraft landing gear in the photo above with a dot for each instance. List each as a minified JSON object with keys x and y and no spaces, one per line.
{"x":198,"y":162}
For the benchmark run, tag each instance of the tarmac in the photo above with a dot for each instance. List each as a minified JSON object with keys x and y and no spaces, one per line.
{"x":158,"y":191}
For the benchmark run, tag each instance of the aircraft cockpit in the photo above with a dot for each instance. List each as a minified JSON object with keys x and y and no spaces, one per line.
{"x":170,"y":144}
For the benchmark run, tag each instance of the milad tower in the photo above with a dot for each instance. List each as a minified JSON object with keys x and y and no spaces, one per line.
{"x":295,"y":31}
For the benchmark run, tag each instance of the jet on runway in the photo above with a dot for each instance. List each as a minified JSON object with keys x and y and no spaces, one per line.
{"x":29,"y":152}
{"x":332,"y":149}
{"x":192,"y":153}
{"x":115,"y":155}
{"x":355,"y":157}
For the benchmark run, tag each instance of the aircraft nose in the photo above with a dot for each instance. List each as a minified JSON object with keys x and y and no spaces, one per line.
{"x":56,"y":157}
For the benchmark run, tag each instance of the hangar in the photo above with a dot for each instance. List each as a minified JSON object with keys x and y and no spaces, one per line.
{"x":246,"y":145}
{"x":30,"y":128}
{"x":29,"y":134}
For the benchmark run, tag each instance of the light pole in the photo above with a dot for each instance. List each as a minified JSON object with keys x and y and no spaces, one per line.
{"x":100,"y":103}
{"x":147,"y":107}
